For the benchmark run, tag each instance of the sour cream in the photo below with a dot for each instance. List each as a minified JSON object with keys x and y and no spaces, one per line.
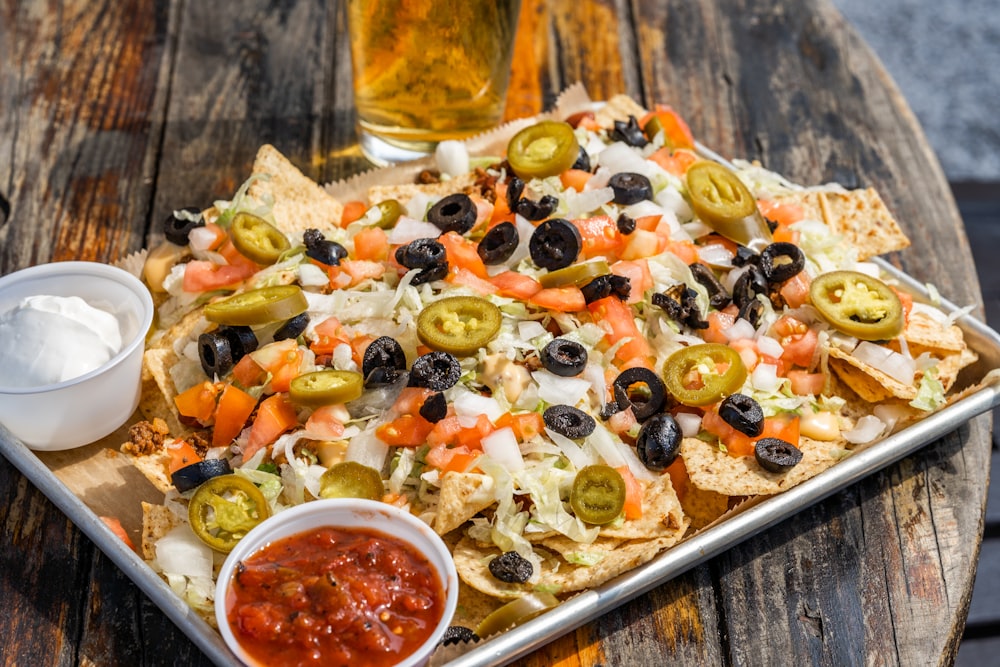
{"x":50,"y":339}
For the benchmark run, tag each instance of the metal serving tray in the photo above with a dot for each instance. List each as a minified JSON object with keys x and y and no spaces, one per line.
{"x":591,"y":604}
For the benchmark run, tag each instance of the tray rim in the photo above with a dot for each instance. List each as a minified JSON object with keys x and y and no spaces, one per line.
{"x":590,"y":604}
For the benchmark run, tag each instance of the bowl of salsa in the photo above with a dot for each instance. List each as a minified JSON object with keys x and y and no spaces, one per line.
{"x":337,"y":582}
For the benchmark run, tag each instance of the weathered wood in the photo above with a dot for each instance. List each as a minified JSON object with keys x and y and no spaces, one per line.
{"x":113,"y":113}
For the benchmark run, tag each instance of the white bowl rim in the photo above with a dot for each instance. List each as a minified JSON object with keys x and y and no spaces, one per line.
{"x":95,"y":269}
{"x":255,"y":540}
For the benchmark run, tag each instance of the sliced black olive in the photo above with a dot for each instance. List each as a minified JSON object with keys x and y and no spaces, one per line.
{"x":680,"y":303}
{"x":430,"y":274}
{"x":534,"y":211}
{"x":383,"y":352}
{"x":582,"y":161}
{"x":604,"y":286}
{"x":781,"y":261}
{"x":437,"y":371}
{"x":454,"y":213}
{"x":511,"y":567}
{"x":421,"y":254}
{"x":216,"y":354}
{"x":742,"y":413}
{"x":242,"y":340}
{"x":196,"y":474}
{"x":659,"y":442}
{"x":383,"y":377}
{"x":564,"y":357}
{"x":555,"y":244}
{"x":630,"y":188}
{"x":435,"y":408}
{"x":569,"y":421}
{"x":744,"y":256}
{"x":751,"y":283}
{"x":499,"y":243}
{"x":718,"y":297}
{"x":456,"y":634}
{"x":610,"y":409}
{"x":629,"y":132}
{"x":321,"y":249}
{"x":776,"y":455}
{"x":293,"y":328}
{"x":178,"y":225}
{"x":642,"y":389}
{"x":752,"y":312}
{"x":626,"y":224}
{"x":515,"y":188}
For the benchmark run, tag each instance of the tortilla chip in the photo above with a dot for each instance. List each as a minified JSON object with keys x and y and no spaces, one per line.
{"x":155,"y":467}
{"x":299,"y":202}
{"x":405,"y":192}
{"x":930,"y":334}
{"x":702,"y":506}
{"x":951,"y":365}
{"x":868,"y":382}
{"x":711,"y":469}
{"x":619,"y":107}
{"x":157,"y":521}
{"x":463,"y":495}
{"x":662,"y":515}
{"x":860,"y":216}
{"x":157,"y":398}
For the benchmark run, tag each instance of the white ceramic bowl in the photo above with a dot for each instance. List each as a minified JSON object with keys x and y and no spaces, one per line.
{"x":345,"y":513}
{"x":86,"y":408}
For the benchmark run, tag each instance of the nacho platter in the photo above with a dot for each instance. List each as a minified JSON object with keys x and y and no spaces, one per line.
{"x":66,"y":480}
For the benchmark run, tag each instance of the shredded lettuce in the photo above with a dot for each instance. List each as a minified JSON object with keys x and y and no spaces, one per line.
{"x":930,"y":392}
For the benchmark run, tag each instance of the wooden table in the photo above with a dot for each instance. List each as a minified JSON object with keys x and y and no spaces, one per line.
{"x":114,"y":113}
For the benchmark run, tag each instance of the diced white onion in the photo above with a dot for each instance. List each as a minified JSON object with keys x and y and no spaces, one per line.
{"x":409,"y":229}
{"x":765,"y":378}
{"x":869,"y":269}
{"x":890,"y":414}
{"x":619,"y":157}
{"x":867,"y":429}
{"x":311,"y":275}
{"x":715,"y":254}
{"x":892,"y":363}
{"x":367,"y":449}
{"x":530,"y":329}
{"x":581,"y":203}
{"x":740,"y":329}
{"x":690,"y":423}
{"x":559,"y":390}
{"x":770,"y":347}
{"x":469,"y":405}
{"x":501,"y":446}
{"x":673,"y":200}
{"x":643,"y":209}
{"x":202,"y":238}
{"x":452,"y":157}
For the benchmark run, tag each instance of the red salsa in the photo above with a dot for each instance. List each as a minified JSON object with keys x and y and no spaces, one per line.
{"x":334,"y":596}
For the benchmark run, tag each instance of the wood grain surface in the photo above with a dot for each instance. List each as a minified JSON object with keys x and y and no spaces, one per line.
{"x":114,"y":112}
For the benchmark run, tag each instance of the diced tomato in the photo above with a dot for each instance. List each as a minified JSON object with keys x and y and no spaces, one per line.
{"x":795,"y":290}
{"x":353,"y":210}
{"x":275,"y":415}
{"x":633,"y":494}
{"x":235,"y":408}
{"x":371,"y":244}
{"x":568,"y":299}
{"x":361,"y":270}
{"x":676,"y":132}
{"x":618,"y":322}
{"x":181,"y":454}
{"x":648,"y":223}
{"x":906,"y":299}
{"x":737,"y":444}
{"x":805,"y":383}
{"x":484,"y":213}
{"x":248,"y":372}
{"x":516,"y":285}
{"x":359,"y":344}
{"x":783,"y":213}
{"x":526,"y":425}
{"x":410,"y":400}
{"x":747,"y":349}
{"x":718,"y":322}
{"x":451,"y":459}
{"x":116,"y":527}
{"x":784,"y":427}
{"x":463,"y":276}
{"x":622,"y":421}
{"x":641,"y":244}
{"x":449,"y":431}
{"x":798,"y":341}
{"x":501,"y":208}
{"x":575,"y":179}
{"x":282,"y":359}
{"x":674,"y":162}
{"x":678,"y":477}
{"x":472,"y":436}
{"x":329,"y":334}
{"x":203,"y":276}
{"x":405,"y":431}
{"x":462,"y":254}
{"x":325,"y":421}
{"x":785,"y":234}
{"x":685,"y":250}
{"x":639,"y":277}
{"x":198,"y":402}
{"x":600,"y":236}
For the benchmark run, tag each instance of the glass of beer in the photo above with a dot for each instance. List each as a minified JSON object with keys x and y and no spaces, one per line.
{"x":428,"y":70}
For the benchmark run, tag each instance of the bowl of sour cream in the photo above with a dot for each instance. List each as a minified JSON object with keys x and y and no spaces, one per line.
{"x":72,"y":336}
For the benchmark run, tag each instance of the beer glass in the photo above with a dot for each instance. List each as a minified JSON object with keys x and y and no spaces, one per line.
{"x":428,"y":70}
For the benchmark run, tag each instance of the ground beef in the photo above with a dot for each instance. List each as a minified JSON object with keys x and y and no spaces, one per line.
{"x":146,"y":438}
